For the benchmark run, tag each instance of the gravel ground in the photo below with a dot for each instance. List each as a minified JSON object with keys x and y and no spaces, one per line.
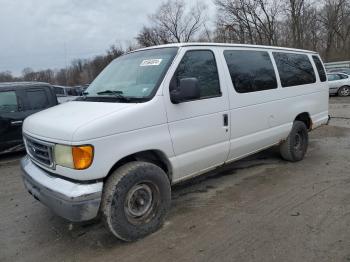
{"x":258,"y":209}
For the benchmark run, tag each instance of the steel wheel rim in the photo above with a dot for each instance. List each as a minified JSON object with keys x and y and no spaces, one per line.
{"x":141,"y":202}
{"x":298,"y":141}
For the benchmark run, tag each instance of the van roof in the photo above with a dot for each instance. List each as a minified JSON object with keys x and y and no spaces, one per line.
{"x":229,"y":45}
{"x":22,"y":84}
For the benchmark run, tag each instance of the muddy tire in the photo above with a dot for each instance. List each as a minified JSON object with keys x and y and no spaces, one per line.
{"x":135,"y":200}
{"x":344,"y":91}
{"x":294,"y":148}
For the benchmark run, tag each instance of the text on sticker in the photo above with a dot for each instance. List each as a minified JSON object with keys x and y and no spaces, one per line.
{"x":151,"y":62}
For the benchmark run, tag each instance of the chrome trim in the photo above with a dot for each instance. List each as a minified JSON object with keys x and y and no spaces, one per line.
{"x":38,"y":158}
{"x":15,"y":123}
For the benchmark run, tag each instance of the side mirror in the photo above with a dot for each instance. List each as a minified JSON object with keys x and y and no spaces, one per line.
{"x":187,"y":90}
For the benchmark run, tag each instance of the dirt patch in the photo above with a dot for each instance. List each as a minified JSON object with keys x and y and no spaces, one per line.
{"x":330,"y":131}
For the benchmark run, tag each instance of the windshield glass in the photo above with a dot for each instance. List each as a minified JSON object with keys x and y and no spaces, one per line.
{"x":134,"y":75}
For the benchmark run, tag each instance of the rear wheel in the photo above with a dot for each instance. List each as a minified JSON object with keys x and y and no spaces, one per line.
{"x":294,"y":148}
{"x":344,"y":91}
{"x":135,"y":200}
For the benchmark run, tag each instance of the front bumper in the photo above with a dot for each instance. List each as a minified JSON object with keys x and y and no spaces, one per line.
{"x":72,"y":201}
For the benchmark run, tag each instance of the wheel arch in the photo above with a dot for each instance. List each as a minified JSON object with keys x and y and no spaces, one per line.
{"x":154,"y":156}
{"x":305,"y":118}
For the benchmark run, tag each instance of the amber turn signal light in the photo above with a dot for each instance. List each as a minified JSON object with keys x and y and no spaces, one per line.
{"x":82,"y":156}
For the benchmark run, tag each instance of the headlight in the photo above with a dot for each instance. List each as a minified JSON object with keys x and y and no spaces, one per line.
{"x":76,"y":157}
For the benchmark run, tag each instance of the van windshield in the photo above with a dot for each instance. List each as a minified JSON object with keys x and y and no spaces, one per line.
{"x":132,"y":77}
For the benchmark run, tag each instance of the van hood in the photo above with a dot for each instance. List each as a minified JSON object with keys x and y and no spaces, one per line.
{"x":62,"y":121}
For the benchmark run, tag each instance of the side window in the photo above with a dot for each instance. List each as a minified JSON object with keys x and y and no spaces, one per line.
{"x":250,"y":71}
{"x":320,"y":68}
{"x":8,"y":102}
{"x":70,"y":92}
{"x":59,"y":91}
{"x":37,"y":99}
{"x":199,"y":64}
{"x":343,"y":76}
{"x":333,"y":77}
{"x":294,"y":69}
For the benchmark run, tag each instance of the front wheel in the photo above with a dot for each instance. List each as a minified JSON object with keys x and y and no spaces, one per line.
{"x":295,"y":146}
{"x":135,"y":200}
{"x":344,"y":91}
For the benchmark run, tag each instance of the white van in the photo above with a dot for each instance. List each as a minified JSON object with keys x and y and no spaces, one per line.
{"x":161,"y":115}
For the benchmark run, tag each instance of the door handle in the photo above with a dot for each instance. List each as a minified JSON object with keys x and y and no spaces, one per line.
{"x":16,"y":123}
{"x":225,"y":120}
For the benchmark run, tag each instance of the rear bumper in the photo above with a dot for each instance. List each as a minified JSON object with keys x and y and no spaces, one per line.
{"x":72,"y":201}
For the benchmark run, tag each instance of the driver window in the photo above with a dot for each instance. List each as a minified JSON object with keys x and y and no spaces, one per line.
{"x":199,"y":64}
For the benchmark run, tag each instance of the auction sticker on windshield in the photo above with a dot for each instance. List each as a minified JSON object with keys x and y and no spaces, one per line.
{"x":151,"y":62}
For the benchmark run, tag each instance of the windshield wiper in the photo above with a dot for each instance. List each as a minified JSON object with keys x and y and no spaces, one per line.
{"x":117,"y":94}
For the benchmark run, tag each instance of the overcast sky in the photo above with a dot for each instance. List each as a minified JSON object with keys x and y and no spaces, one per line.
{"x":36,"y":33}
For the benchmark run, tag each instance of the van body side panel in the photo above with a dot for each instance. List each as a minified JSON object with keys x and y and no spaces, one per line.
{"x":200,"y":140}
{"x":253,"y":124}
{"x":264,"y":118}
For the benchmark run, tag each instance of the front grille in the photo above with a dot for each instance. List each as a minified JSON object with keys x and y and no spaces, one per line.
{"x":39,"y":151}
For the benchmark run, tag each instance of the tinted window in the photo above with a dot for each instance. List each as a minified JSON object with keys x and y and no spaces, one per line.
{"x":250,"y":71}
{"x":294,"y":69}
{"x":333,"y":77}
{"x":343,"y":76}
{"x":320,"y":68}
{"x":8,"y":102}
{"x":71,"y":92}
{"x":59,"y":91}
{"x":37,"y":99}
{"x":199,"y":64}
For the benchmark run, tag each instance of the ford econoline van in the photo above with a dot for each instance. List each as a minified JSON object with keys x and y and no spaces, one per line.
{"x":161,"y":115}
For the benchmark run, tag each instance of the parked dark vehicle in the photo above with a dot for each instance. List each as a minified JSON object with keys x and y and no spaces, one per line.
{"x":17,"y":101}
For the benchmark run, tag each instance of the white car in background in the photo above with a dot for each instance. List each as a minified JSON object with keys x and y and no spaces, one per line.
{"x":65,"y":94}
{"x":339,"y":84}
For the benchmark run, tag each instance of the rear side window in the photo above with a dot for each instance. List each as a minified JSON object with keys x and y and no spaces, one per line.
{"x":8,"y":102}
{"x":37,"y":99}
{"x":294,"y":69}
{"x":250,"y":71}
{"x":320,"y":68}
{"x":200,"y":64}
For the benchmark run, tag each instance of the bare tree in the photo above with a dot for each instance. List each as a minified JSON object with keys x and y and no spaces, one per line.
{"x":6,"y":77}
{"x":150,"y":36}
{"x":173,"y":22}
{"x":249,"y":21}
{"x":301,"y":25}
{"x":336,"y":24}
{"x":323,"y":26}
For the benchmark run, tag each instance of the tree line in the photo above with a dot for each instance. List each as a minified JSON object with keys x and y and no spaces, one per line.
{"x":323,"y":26}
